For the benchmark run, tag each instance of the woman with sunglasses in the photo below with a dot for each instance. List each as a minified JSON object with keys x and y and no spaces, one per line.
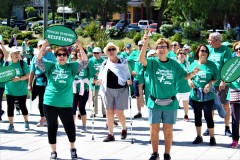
{"x":58,"y":96}
{"x":202,"y":96}
{"x":162,"y":104}
{"x":235,"y":103}
{"x":114,"y":77}
{"x":183,"y":88}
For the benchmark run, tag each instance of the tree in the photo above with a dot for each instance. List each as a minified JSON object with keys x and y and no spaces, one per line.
{"x":30,"y":11}
{"x":7,"y":7}
{"x":161,"y":6}
{"x":148,"y":8}
{"x":54,"y":6}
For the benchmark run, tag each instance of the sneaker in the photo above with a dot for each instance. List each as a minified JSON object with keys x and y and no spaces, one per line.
{"x":124,"y":134}
{"x":212,"y":141}
{"x":186,"y":118}
{"x":228,"y":133}
{"x":73,"y":153}
{"x":206,"y":133}
{"x":138,"y":115}
{"x":154,"y":156}
{"x":53,"y":155}
{"x":84,"y":129}
{"x":198,"y":140}
{"x":94,"y":115}
{"x":109,"y":138}
{"x":42,"y":123}
{"x":26,"y":125}
{"x":104,"y":116}
{"x":167,"y":156}
{"x":10,"y":128}
{"x":234,"y":144}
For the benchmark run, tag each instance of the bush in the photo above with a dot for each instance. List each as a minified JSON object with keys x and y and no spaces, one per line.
{"x":22,"y":36}
{"x":231,"y":34}
{"x":91,"y":29}
{"x":37,"y":29}
{"x":101,"y":38}
{"x":137,"y":37}
{"x":177,"y":37}
{"x":130,"y":34}
{"x":79,"y":31}
{"x":224,"y":37}
{"x":204,"y":34}
{"x":7,"y":32}
{"x":167,"y":30}
{"x":33,"y":43}
{"x":156,"y":36}
{"x":120,"y":44}
{"x":33,"y":19}
{"x":19,"y":41}
{"x":114,"y":33}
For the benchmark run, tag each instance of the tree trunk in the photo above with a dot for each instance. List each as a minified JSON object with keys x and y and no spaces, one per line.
{"x":163,"y":6}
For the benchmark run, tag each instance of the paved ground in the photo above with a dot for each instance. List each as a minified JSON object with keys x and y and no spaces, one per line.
{"x":33,"y":144}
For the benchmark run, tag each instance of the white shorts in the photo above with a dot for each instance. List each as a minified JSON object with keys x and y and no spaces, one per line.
{"x":183,"y":96}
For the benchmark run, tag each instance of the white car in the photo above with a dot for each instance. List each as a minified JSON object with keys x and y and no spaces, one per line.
{"x":144,"y":24}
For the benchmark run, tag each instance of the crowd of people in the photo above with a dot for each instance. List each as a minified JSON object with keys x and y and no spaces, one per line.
{"x":158,"y":76}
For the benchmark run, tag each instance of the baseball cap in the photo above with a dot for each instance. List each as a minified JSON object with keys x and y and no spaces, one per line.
{"x":97,"y":49}
{"x":40,"y":42}
{"x":15,"y":49}
{"x":128,"y":45}
{"x":151,"y":52}
{"x":186,"y":47}
{"x":140,"y":43}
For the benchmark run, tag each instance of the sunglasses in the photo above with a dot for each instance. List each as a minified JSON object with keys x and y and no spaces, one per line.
{"x":237,"y":49}
{"x":111,"y":49}
{"x":95,"y":52}
{"x":60,"y":55}
{"x":182,"y":53}
{"x":174,"y":45}
{"x":204,"y":51}
{"x":161,"y":47}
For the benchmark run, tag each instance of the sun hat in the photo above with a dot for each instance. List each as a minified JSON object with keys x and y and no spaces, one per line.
{"x":110,"y":44}
{"x":97,"y":49}
{"x":151,"y":52}
{"x":140,"y":43}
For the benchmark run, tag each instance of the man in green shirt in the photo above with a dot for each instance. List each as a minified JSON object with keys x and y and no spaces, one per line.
{"x":219,"y":54}
{"x":190,"y":54}
{"x":173,"y":53}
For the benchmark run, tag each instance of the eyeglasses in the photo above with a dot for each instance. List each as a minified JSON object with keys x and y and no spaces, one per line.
{"x":63,"y":54}
{"x":182,"y":53}
{"x":174,"y":45}
{"x":237,"y":49}
{"x":111,"y":49}
{"x":206,"y":51}
{"x":161,"y":47}
{"x":95,"y":52}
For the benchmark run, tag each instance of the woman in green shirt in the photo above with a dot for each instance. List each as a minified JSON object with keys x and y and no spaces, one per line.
{"x":58,"y":96}
{"x":202,"y":92}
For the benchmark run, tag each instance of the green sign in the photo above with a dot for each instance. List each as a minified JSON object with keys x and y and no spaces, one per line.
{"x":231,"y":70}
{"x":7,"y":73}
{"x":60,"y":35}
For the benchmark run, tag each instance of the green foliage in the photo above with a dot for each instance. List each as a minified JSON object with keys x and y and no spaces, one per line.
{"x":114,"y":33}
{"x":204,"y":34}
{"x":224,"y":37}
{"x":32,"y":19}
{"x":231,"y":34}
{"x":156,"y":36}
{"x":167,"y":30}
{"x":79,"y":31}
{"x":131,"y":34}
{"x":176,"y":37}
{"x":137,"y":37}
{"x":120,"y":44}
{"x":101,"y":38}
{"x":38,"y":29}
{"x":22,"y":36}
{"x":30,"y":10}
{"x":91,"y":29}
{"x":7,"y":32}
{"x":33,"y":42}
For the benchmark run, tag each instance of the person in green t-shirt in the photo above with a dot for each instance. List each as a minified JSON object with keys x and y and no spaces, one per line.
{"x":173,"y":53}
{"x":219,"y":54}
{"x":3,"y":58}
{"x":16,"y":89}
{"x":162,"y":104}
{"x":235,"y":103}
{"x":183,"y":89}
{"x":202,"y":93}
{"x":58,"y":96}
{"x":24,"y":47}
{"x":94,"y":65}
{"x":190,"y":54}
{"x":29,"y":52}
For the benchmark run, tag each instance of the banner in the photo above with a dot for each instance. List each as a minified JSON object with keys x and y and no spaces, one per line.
{"x":60,"y":35}
{"x":231,"y":70}
{"x":7,"y":73}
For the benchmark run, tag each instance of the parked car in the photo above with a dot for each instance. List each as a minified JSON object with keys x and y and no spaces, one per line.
{"x":22,"y":25}
{"x":4,"y":22}
{"x":72,"y":25}
{"x":132,"y":27}
{"x":153,"y":27}
{"x":121,"y":25}
{"x":144,"y":24}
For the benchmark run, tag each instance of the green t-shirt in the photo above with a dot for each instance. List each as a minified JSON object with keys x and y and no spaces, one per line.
{"x":2,"y":85}
{"x":190,"y":59}
{"x":94,"y":66}
{"x":137,"y":68}
{"x":208,"y":72}
{"x":182,"y":85}
{"x":163,"y":77}
{"x":144,"y":79}
{"x":59,"y":90}
{"x":172,"y":55}
{"x":219,"y":57}
{"x":18,"y":88}
{"x":132,"y":59}
{"x":84,"y":74}
{"x":235,"y":84}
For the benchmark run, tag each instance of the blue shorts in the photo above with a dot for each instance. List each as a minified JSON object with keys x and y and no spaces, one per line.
{"x":156,"y":116}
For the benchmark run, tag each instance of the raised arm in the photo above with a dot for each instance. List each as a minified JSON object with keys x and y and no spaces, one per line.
{"x":4,"y":51}
{"x":83,"y":64}
{"x":142,"y":57}
{"x":39,"y":61}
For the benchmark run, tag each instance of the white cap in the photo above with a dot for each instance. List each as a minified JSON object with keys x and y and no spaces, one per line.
{"x":140,"y":43}
{"x":151,"y":52}
{"x":186,"y":47}
{"x":40,"y":42}
{"x":14,"y":49}
{"x":97,"y":49}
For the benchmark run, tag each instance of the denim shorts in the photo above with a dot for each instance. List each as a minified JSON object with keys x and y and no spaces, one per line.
{"x":156,"y":116}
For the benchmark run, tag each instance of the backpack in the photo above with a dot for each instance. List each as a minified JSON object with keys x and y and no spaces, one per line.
{"x":21,"y":64}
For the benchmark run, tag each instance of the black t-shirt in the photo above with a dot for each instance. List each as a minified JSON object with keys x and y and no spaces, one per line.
{"x":112,"y":80}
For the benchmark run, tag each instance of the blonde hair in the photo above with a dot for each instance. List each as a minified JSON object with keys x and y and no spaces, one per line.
{"x":161,"y":41}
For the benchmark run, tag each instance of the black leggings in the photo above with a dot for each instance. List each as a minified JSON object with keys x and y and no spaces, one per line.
{"x":81,"y":101}
{"x":40,"y":90}
{"x":235,"y":108}
{"x":65,"y":114}
{"x":22,"y":104}
{"x":207,"y":108}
